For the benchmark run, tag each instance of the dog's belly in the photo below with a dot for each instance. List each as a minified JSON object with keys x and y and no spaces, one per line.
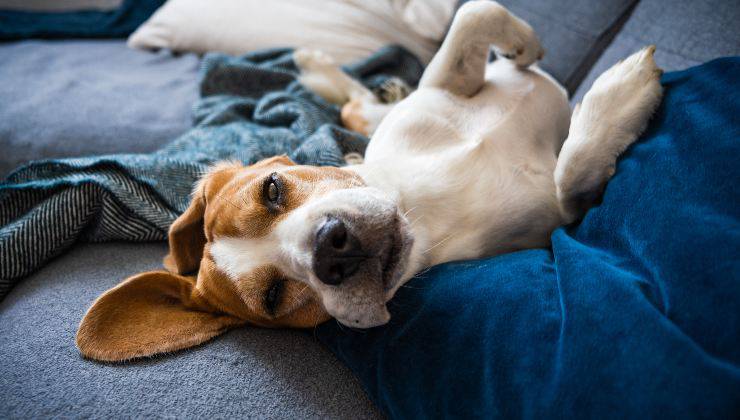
{"x":474,"y":174}
{"x":518,"y":110}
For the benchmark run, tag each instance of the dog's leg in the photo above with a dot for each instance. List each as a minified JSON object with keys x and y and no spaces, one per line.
{"x":614,"y":112}
{"x":459,"y":65}
{"x":321,"y":75}
{"x":361,"y":110}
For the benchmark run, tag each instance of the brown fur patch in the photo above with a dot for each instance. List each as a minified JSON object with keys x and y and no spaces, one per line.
{"x":352,"y":117}
{"x":164,"y":311}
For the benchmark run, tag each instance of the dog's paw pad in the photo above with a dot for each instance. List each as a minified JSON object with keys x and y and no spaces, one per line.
{"x":392,"y":90}
{"x":354,"y":158}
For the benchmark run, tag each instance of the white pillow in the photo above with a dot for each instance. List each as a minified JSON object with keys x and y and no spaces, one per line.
{"x":347,"y":30}
{"x":428,"y":18}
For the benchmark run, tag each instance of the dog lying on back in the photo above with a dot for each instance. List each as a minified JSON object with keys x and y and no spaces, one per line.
{"x":480,"y":160}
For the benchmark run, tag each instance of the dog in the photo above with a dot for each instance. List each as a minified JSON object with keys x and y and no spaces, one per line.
{"x":480,"y":160}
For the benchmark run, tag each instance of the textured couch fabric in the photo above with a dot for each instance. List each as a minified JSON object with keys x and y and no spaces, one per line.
{"x":248,"y":372}
{"x":75,"y":98}
{"x":685,"y":32}
{"x":573,"y":32}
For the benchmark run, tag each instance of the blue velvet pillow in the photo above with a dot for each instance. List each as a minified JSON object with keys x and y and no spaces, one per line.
{"x":116,"y":23}
{"x":634,"y":312}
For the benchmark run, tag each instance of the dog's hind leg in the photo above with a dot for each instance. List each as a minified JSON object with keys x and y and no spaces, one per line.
{"x":613,"y":114}
{"x":459,"y":65}
{"x":321,"y":75}
{"x":362,"y":111}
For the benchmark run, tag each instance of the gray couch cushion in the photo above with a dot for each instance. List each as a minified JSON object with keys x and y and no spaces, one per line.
{"x":75,"y":98}
{"x":686,"y":32}
{"x":573,"y":32}
{"x":248,"y":372}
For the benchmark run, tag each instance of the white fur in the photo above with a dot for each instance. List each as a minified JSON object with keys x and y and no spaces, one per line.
{"x":289,"y":245}
{"x":471,"y":158}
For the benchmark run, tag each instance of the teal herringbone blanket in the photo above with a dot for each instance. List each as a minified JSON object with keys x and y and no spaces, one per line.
{"x":251,"y":107}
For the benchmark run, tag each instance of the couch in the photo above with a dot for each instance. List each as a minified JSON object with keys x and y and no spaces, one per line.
{"x":78,"y":97}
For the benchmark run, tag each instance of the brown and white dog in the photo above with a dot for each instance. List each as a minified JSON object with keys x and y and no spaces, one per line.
{"x":480,"y":160}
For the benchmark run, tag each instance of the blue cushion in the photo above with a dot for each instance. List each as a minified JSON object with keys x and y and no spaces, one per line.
{"x":634,"y":312}
{"x":78,"y":24}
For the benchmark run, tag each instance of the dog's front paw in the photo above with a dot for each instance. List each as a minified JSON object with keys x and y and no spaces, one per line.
{"x":522,"y":46}
{"x":492,"y":23}
{"x":308,"y":59}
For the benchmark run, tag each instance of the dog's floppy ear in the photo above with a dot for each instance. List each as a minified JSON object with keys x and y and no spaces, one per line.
{"x":149,"y":313}
{"x":187,"y":235}
{"x":187,"y":238}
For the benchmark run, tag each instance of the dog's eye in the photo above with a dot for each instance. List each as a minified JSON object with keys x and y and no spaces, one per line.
{"x":272,"y":191}
{"x":272,"y":296}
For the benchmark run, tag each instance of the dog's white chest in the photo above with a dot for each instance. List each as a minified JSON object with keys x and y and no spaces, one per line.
{"x":471,"y":169}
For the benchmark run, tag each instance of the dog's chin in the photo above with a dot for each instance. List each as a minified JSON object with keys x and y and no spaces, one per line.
{"x":370,"y":319}
{"x":372,"y":311}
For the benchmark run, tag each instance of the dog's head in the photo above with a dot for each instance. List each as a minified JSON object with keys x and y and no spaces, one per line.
{"x":273,"y":244}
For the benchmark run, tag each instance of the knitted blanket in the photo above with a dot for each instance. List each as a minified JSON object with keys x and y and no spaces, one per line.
{"x":251,"y":107}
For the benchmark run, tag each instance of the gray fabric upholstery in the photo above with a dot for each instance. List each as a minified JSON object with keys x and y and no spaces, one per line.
{"x":686,"y":33}
{"x":573,"y":32}
{"x":75,"y":98}
{"x":250,"y":372}
{"x":48,"y":95}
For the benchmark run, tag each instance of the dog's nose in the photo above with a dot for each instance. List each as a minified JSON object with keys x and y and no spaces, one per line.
{"x":337,"y":253}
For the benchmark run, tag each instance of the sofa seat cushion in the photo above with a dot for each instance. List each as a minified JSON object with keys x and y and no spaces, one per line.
{"x":82,"y":97}
{"x":686,"y":33}
{"x":248,"y":372}
{"x":574,"y":33}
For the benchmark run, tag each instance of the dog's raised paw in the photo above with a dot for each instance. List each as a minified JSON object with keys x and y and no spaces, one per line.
{"x":613,"y":114}
{"x":630,"y":90}
{"x":512,"y":37}
{"x":524,"y":46}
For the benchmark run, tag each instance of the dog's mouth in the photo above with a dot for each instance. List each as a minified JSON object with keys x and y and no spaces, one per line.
{"x":360,"y":300}
{"x":395,"y":256}
{"x":391,"y":258}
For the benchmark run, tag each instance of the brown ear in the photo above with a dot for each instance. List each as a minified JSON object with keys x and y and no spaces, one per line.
{"x":187,"y":235}
{"x":187,"y":238}
{"x":149,"y":313}
{"x":279,"y":160}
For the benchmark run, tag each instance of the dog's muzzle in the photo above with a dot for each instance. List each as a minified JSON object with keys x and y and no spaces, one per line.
{"x":338,"y":253}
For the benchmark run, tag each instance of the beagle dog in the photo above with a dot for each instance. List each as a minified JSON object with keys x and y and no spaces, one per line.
{"x":480,"y":160}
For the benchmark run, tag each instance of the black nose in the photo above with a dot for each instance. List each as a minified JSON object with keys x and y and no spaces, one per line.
{"x":337,"y":253}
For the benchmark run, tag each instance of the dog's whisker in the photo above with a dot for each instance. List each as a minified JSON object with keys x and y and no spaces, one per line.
{"x":415,"y":221}
{"x":297,"y":295}
{"x":422,"y":272}
{"x":315,"y":325}
{"x":439,"y":243}
{"x":409,"y":211}
{"x":228,"y":201}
